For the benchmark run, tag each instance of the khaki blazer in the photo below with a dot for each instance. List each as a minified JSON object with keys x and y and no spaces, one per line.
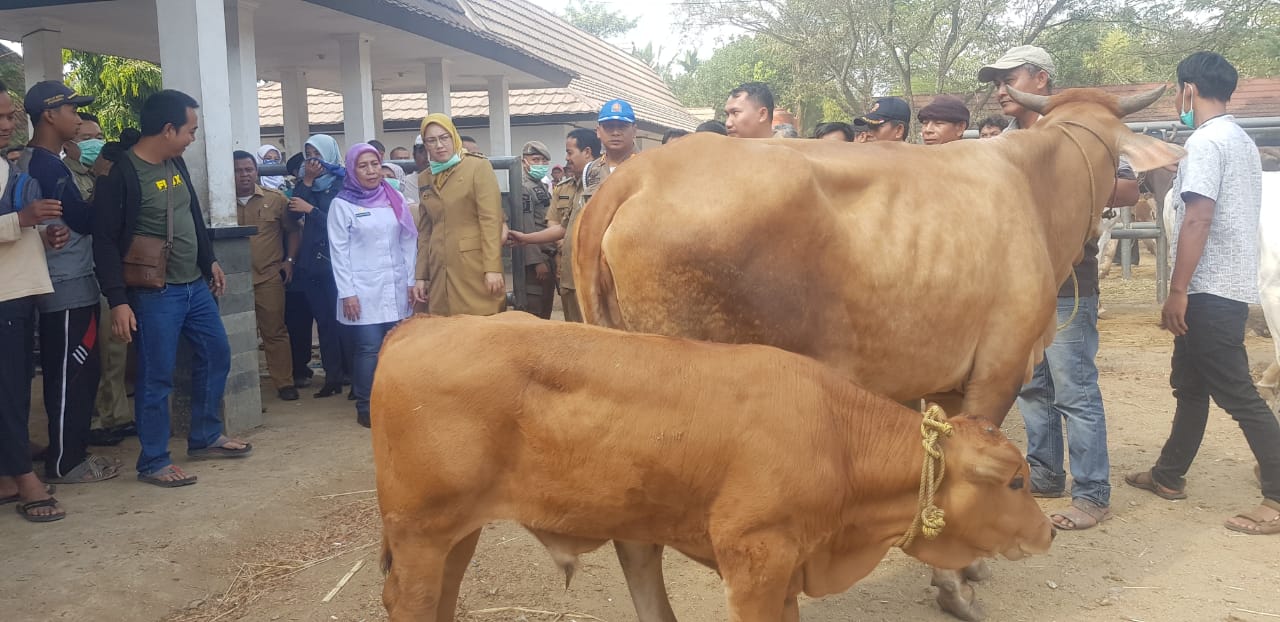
{"x":460,"y":237}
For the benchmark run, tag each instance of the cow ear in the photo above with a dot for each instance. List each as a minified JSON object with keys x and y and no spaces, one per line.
{"x":1146,"y":153}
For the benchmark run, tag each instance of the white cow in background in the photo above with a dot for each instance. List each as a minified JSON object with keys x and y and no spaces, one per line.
{"x":1269,"y":266}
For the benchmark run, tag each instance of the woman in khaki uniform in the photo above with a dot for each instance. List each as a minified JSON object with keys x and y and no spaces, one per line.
{"x":459,"y":227}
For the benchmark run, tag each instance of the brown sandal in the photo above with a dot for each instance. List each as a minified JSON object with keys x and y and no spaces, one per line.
{"x":1082,"y":514}
{"x":1260,"y":526}
{"x":1144,"y":481}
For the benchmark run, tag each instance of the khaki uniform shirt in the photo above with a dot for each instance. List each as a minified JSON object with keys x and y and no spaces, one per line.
{"x":565,"y":207}
{"x":460,"y":220}
{"x":535,"y":201}
{"x":80,"y":174}
{"x":597,"y":171}
{"x":266,"y":210}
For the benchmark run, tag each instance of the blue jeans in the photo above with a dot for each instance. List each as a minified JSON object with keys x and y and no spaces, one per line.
{"x":164,"y":315}
{"x":366,"y":340}
{"x":1065,"y":386}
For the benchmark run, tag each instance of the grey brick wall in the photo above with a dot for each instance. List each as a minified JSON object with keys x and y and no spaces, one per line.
{"x":242,"y":402}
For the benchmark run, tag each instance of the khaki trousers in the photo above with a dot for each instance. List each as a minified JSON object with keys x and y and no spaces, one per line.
{"x":111,"y":407}
{"x":268,"y":298}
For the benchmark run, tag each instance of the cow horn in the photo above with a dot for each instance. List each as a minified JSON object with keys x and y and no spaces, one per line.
{"x":1030,"y":101}
{"x":1133,"y":103}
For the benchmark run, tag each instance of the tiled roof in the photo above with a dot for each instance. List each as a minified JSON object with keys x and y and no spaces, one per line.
{"x":606,"y":72}
{"x":1254,"y":98}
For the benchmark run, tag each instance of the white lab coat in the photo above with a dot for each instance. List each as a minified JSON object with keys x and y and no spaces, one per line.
{"x":373,"y":259}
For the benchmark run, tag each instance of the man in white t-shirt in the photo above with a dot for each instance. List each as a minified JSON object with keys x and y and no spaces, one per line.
{"x":1217,"y":198}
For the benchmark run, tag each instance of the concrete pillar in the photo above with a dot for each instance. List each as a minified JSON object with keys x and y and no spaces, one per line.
{"x":242,"y":73}
{"x":357,"y":88}
{"x":293,"y":103}
{"x":42,"y":56}
{"x":193,"y":59}
{"x":499,"y":117}
{"x":439,"y":96}
{"x":377,"y":115}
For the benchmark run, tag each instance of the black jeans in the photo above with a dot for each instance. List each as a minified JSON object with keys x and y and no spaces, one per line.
{"x":1210,"y":361}
{"x":71,"y":366}
{"x":335,"y":349}
{"x":17,"y":361}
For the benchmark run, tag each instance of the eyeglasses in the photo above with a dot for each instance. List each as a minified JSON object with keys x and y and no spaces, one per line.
{"x":436,"y":141}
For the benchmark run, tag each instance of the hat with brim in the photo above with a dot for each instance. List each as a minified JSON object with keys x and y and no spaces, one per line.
{"x":617,"y":110}
{"x":535,"y":147}
{"x":52,"y":94}
{"x":886,"y":109}
{"x":1017,"y":57}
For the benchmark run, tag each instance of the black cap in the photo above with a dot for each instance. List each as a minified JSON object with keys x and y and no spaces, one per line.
{"x":51,"y":94}
{"x":886,"y":109}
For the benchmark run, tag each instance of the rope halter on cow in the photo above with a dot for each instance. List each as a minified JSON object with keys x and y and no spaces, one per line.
{"x":1093,"y":188}
{"x":929,"y":517}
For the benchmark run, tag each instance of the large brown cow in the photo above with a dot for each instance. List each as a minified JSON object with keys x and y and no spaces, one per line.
{"x":770,"y":467}
{"x":917,"y":271}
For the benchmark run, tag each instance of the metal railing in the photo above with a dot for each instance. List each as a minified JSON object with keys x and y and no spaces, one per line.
{"x":511,"y":204}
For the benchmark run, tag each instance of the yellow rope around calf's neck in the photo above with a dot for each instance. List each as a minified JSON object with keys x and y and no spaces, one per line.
{"x":929,"y":517}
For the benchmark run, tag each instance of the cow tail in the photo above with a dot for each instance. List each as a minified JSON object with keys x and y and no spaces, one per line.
{"x":597,"y":295}
{"x":386,"y":554}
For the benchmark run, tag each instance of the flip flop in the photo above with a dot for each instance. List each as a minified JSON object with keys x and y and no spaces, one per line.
{"x":153,"y":478}
{"x":1261,"y":526}
{"x":1143,"y":481}
{"x":24,"y":510}
{"x":216,"y":450}
{"x":1082,"y":514}
{"x":49,"y":488}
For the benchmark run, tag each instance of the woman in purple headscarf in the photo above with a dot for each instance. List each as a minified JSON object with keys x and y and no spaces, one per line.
{"x":373,"y":245}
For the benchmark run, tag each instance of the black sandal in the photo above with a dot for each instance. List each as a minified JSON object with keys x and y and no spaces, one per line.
{"x":24,"y":509}
{"x":328,"y":390}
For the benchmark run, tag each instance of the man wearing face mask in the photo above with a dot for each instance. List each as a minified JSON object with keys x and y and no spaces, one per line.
{"x":539,"y":261}
{"x":272,"y":267}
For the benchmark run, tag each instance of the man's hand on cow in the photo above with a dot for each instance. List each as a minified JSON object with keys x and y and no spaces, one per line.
{"x":494,"y":283}
{"x":1173,"y":317}
{"x":351,"y":308}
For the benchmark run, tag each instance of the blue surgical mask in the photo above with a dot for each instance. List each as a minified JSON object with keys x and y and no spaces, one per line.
{"x":538,"y":171}
{"x":1188,"y":117}
{"x":394,"y":183}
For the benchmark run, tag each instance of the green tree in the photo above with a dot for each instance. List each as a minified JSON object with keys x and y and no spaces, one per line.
{"x":594,"y":18}
{"x":11,"y":76}
{"x":120,"y":86}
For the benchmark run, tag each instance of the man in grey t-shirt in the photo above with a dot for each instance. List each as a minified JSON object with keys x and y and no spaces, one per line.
{"x":1217,"y":198}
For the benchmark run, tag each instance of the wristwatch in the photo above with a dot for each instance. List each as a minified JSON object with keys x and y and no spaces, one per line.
{"x":289,"y":259}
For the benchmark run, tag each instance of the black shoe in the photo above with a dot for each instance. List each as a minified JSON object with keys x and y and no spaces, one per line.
{"x":126,"y":429}
{"x":351,"y":395}
{"x":301,"y":383}
{"x":104,"y":437}
{"x":288,"y":394}
{"x":363,"y":420}
{"x":328,"y":390}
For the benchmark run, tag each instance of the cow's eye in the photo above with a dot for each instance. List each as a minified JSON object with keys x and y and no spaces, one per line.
{"x":1016,"y":484}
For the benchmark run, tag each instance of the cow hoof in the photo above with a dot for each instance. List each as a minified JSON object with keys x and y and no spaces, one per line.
{"x":978,"y":571}
{"x":959,"y":600}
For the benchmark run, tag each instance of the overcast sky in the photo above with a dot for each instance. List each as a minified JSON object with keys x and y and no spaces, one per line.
{"x":658,"y":23}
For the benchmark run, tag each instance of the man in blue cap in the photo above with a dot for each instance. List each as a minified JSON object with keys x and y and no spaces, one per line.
{"x":617,"y":132}
{"x":889,"y":119}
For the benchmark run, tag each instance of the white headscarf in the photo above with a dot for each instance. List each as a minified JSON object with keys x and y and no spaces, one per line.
{"x":275,"y":181}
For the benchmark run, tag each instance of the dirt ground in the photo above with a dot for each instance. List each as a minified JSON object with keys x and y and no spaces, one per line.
{"x":267,"y":538}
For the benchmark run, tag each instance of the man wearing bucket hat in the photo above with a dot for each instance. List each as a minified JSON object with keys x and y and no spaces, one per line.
{"x":617,"y":132}
{"x":539,"y":260}
{"x":944,"y":120}
{"x":888,"y":120}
